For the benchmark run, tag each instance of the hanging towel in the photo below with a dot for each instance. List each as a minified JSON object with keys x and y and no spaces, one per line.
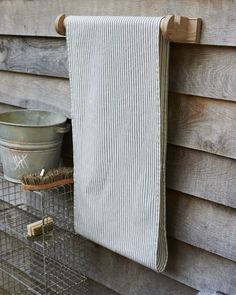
{"x":118,"y":77}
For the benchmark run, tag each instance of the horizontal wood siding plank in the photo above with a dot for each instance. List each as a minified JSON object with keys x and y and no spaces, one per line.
{"x":24,"y":17}
{"x":189,"y":265}
{"x":202,"y":123}
{"x":29,"y":91}
{"x":203,"y":224}
{"x":200,"y":269}
{"x":196,"y":70}
{"x":202,"y":174}
{"x":203,"y":71}
{"x":41,"y":56}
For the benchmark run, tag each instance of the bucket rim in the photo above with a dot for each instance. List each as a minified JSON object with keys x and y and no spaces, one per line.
{"x":64,"y":119}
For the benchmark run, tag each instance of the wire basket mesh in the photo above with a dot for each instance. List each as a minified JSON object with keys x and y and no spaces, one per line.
{"x":50,"y":263}
{"x":11,"y":286}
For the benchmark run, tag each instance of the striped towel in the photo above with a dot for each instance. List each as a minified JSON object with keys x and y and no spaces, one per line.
{"x":118,"y":75}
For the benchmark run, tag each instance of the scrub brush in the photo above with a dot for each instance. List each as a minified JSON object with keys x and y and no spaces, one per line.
{"x":37,"y":228}
{"x":49,"y":179}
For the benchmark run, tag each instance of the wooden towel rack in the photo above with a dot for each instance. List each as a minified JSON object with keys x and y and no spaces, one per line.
{"x":174,"y":28}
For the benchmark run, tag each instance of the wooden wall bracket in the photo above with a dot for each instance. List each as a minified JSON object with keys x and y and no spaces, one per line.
{"x":174,"y":28}
{"x":181,"y":29}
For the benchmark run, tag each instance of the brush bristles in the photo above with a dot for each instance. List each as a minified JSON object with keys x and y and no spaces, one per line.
{"x":50,"y":176}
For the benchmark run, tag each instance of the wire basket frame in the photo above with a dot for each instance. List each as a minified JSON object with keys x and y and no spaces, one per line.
{"x":51,"y":263}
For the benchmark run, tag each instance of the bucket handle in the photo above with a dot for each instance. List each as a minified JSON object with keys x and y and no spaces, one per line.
{"x":64,"y":129}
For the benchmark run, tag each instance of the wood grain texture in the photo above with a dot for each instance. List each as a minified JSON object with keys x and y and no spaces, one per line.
{"x":202,"y":174}
{"x":196,"y":70}
{"x":24,"y":17}
{"x":200,"y":269}
{"x":42,"y":56}
{"x":202,"y":124}
{"x":203,"y":71}
{"x":29,"y":91}
{"x":191,"y":266}
{"x":203,"y":224}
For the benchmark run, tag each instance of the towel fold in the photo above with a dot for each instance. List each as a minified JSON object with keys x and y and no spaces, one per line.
{"x":118,"y":70}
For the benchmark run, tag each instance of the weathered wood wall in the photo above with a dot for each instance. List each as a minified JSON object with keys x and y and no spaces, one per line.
{"x":201,"y":165}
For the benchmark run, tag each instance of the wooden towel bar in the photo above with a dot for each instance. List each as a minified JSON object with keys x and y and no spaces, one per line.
{"x":174,"y":28}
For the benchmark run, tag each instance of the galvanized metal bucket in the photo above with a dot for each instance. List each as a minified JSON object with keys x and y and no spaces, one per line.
{"x":30,"y":140}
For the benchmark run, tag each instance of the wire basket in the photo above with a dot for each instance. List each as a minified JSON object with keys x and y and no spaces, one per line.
{"x":50,"y":263}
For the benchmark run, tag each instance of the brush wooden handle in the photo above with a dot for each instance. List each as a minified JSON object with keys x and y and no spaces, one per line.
{"x":37,"y":187}
{"x":36,"y":228}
